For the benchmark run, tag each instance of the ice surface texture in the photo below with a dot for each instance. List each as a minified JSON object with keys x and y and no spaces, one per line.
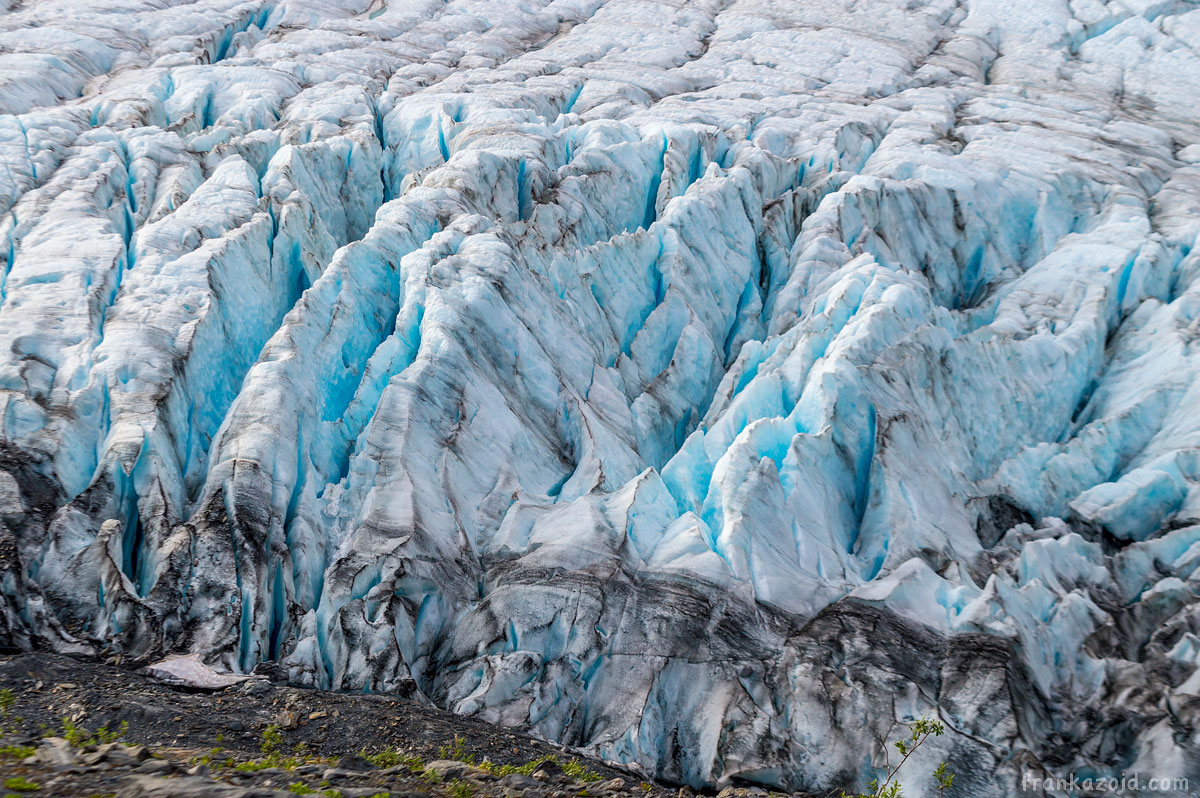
{"x":709,"y":385}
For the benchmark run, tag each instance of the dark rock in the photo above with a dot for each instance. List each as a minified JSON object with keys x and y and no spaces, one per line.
{"x":155,"y":767}
{"x":270,"y":670}
{"x":519,"y":781}
{"x":550,"y":768}
{"x":20,"y":739}
{"x":354,"y":762}
{"x":1001,"y":515}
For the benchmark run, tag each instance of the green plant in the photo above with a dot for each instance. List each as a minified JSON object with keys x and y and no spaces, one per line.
{"x":945,"y":780}
{"x":16,"y":751}
{"x":272,"y":757}
{"x":457,"y":752}
{"x":207,"y":758}
{"x":387,"y":758}
{"x":300,"y":788}
{"x":106,"y":735}
{"x":79,"y":737}
{"x":459,"y":789}
{"x":572,"y":768}
{"x":272,"y":738}
{"x":432,"y":777}
{"x":251,"y":766}
{"x":74,"y":734}
{"x":918,"y":732}
{"x":272,"y":760}
{"x":578,"y":771}
{"x":646,"y":786}
{"x":7,"y":700}
{"x":19,"y":784}
{"x":505,"y":770}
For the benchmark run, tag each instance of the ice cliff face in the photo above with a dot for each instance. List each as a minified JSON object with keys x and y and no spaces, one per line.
{"x":710,"y":385}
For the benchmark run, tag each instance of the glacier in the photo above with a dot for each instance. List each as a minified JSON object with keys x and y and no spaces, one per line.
{"x":708,"y":385}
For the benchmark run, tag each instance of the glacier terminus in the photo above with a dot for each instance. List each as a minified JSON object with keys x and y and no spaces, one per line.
{"x":708,"y":385}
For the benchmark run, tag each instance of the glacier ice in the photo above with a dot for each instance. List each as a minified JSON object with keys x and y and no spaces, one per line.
{"x":708,"y":385}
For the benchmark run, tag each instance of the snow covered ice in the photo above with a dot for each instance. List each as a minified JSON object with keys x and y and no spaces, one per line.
{"x":707,"y":385}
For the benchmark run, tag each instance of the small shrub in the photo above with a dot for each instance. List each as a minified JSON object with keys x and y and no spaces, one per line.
{"x":106,"y":735}
{"x":300,"y":788}
{"x":7,"y":699}
{"x":272,"y":760}
{"x":16,"y":751}
{"x":918,"y":732}
{"x":945,"y":780}
{"x":74,"y":734}
{"x":387,"y":758}
{"x":8,"y":723}
{"x":272,"y":738}
{"x":459,"y":789}
{"x":572,"y":768}
{"x":206,"y":758}
{"x":272,"y":757}
{"x":251,"y":766}
{"x":578,"y":771}
{"x":19,"y":784}
{"x":79,"y":737}
{"x":457,"y":752}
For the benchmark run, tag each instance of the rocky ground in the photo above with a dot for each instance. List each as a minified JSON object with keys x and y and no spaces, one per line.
{"x":79,"y":728}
